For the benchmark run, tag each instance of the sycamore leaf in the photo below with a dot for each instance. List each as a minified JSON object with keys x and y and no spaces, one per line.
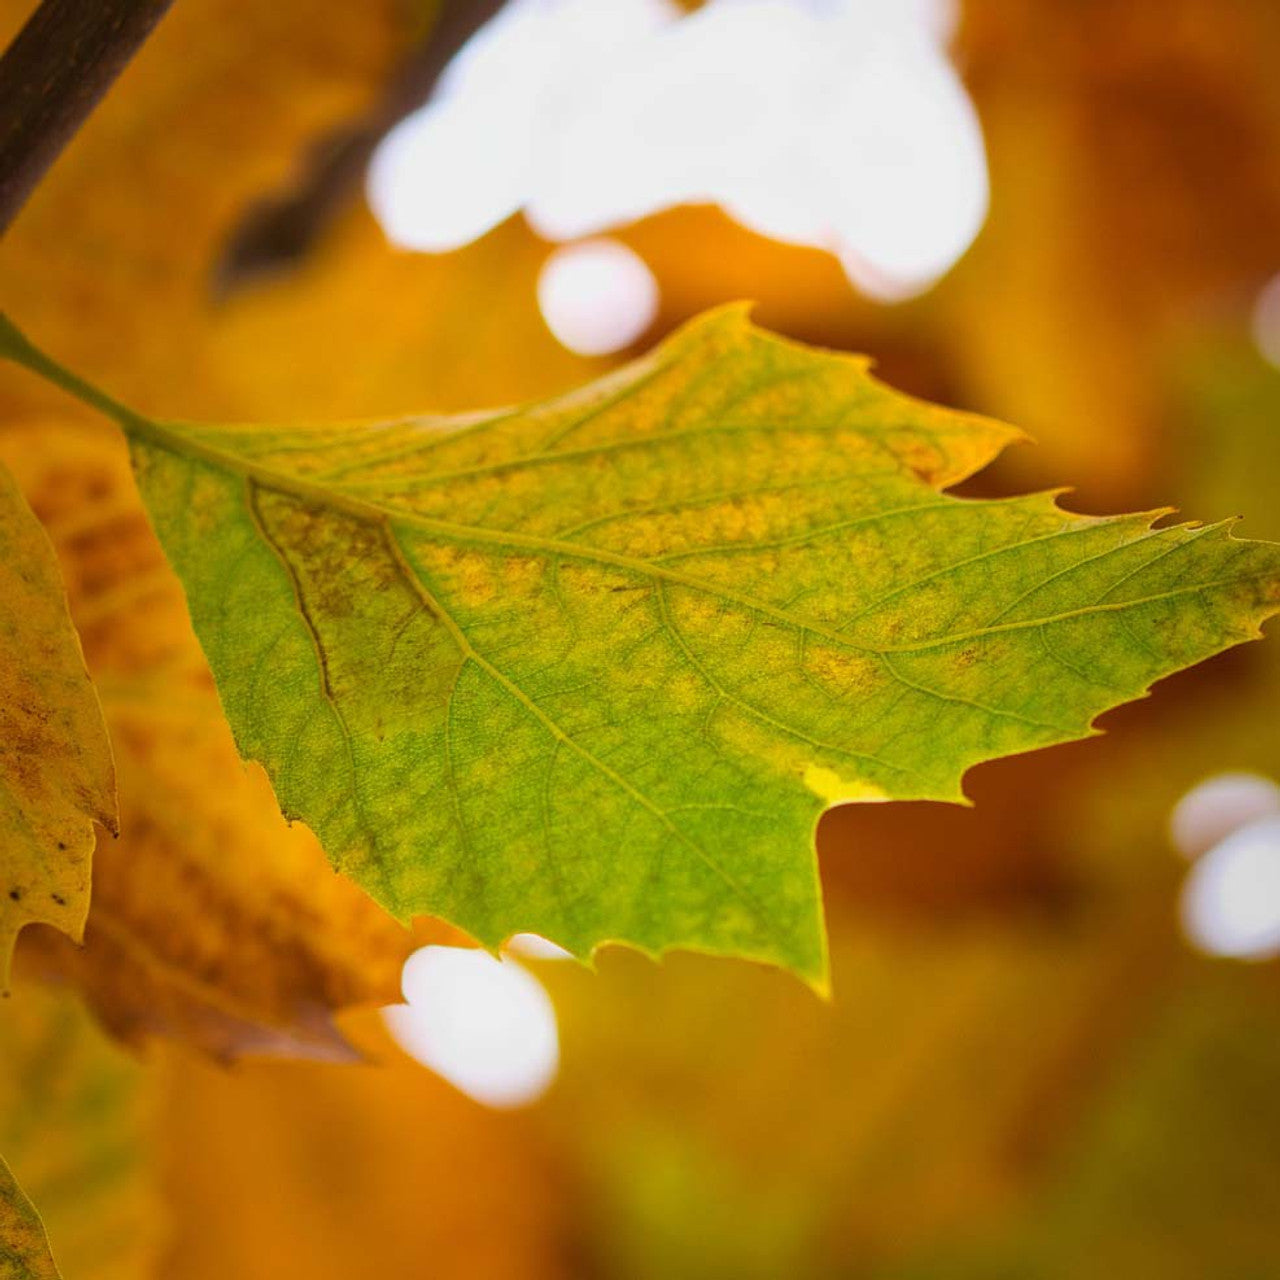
{"x":211,"y":920}
{"x":593,"y":668}
{"x":24,"y":1247}
{"x":56,"y":774}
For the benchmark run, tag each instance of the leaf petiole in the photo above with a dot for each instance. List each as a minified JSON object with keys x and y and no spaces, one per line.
{"x":16,"y":346}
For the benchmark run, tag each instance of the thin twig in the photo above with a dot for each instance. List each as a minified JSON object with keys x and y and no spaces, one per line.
{"x":53,"y":75}
{"x":279,"y":230}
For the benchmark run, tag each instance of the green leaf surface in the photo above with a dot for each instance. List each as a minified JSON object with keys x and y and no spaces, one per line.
{"x":594,"y":668}
{"x":56,"y":773}
{"x":24,"y":1247}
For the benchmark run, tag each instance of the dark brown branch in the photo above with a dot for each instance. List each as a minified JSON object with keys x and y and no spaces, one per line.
{"x":280,"y":230}
{"x":53,"y":75}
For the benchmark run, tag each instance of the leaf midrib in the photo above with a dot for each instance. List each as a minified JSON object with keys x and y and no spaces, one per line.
{"x":174,"y":440}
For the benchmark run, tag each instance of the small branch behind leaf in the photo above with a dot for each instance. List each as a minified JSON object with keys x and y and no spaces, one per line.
{"x":53,"y":75}
{"x":278,"y":231}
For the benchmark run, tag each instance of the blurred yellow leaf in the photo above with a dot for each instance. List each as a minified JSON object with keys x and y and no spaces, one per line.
{"x":216,"y":109}
{"x":24,"y":1247}
{"x":56,"y":774}
{"x":210,"y":919}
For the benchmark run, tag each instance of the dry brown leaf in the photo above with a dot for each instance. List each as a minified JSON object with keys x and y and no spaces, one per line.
{"x":211,"y":919}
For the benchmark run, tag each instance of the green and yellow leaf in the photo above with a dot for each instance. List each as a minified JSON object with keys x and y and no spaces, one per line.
{"x":594,"y":668}
{"x":56,"y":773}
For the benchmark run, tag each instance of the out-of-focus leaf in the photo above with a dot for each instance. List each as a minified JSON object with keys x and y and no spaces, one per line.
{"x":678,"y":612}
{"x":75,"y":1127}
{"x":215,"y":111}
{"x":310,"y":1169}
{"x":24,"y":1247}
{"x":920,"y":1104}
{"x":1134,"y":195}
{"x":120,"y":240}
{"x":1173,"y":1172}
{"x":56,"y":774}
{"x":211,"y":919}
{"x":214,"y":922}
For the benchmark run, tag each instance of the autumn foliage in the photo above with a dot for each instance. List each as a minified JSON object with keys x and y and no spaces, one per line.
{"x":295,"y":677}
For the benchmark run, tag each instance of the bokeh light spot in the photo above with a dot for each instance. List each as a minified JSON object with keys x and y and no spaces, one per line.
{"x":597,"y":297}
{"x":838,"y":124}
{"x":1266,"y":321}
{"x":533,"y":947}
{"x":1231,"y":900}
{"x":1216,"y":807}
{"x":485,"y":1025}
